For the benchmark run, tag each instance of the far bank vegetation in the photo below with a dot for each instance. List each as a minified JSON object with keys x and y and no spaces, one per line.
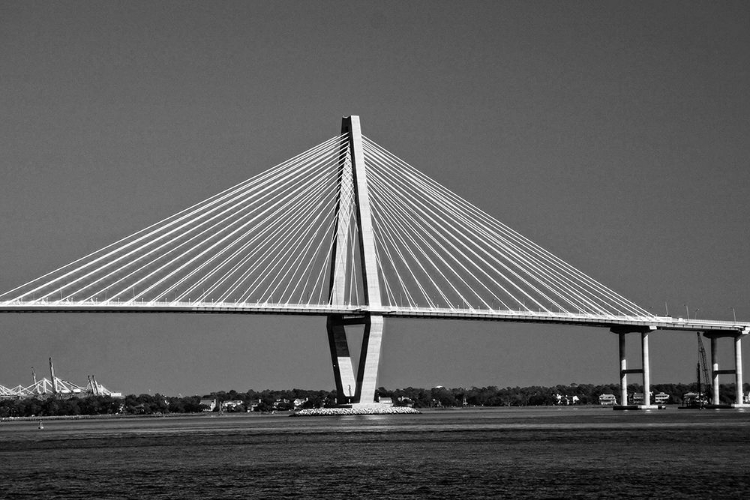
{"x":286,"y":400}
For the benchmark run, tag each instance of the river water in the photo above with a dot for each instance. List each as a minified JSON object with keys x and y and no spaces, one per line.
{"x":479,"y":453}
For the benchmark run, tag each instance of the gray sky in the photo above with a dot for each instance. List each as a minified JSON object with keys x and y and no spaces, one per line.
{"x":614,"y":134}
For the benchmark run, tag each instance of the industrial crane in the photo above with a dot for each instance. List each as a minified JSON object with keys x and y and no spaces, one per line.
{"x":704,"y":367}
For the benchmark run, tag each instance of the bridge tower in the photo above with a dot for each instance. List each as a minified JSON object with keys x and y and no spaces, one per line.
{"x":354,"y":208}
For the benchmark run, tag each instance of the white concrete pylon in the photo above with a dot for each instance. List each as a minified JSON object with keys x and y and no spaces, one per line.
{"x":353,"y":195}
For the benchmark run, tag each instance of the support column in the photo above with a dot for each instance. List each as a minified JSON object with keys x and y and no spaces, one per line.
{"x":738,"y":370}
{"x":623,"y":372}
{"x":343,"y":370}
{"x":714,"y":372}
{"x":646,"y":370}
{"x":369,"y":360}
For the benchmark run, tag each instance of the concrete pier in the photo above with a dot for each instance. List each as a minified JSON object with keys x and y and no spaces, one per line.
{"x":624,"y":371}
{"x":736,"y":371}
{"x":343,"y":370}
{"x":646,"y":371}
{"x":369,"y":360}
{"x":714,"y":372}
{"x":359,"y":388}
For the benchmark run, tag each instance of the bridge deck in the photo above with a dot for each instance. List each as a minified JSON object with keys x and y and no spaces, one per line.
{"x":592,"y":320}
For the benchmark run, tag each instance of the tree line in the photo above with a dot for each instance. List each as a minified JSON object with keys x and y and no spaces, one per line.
{"x":585,"y":394}
{"x":282,"y":400}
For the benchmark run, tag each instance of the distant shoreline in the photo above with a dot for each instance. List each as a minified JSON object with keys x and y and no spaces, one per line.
{"x":103,"y":417}
{"x":120,"y":416}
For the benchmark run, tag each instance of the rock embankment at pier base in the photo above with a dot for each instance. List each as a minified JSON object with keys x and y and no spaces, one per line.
{"x":356,"y":410}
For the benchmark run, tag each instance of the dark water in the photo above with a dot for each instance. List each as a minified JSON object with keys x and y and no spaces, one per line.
{"x":510,"y":453}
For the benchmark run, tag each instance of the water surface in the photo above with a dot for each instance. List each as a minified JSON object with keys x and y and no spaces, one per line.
{"x":482,"y":453}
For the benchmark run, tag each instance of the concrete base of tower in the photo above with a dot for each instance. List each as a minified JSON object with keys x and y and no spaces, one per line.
{"x":357,"y":409}
{"x":639,"y":407}
{"x":651,"y":407}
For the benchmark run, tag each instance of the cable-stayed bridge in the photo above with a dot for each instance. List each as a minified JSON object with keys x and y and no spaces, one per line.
{"x":349,"y":231}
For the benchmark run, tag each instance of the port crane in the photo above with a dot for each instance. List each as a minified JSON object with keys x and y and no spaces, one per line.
{"x":703,"y":367}
{"x":56,"y":387}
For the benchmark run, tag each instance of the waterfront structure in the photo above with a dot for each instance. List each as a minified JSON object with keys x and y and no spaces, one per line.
{"x":607,"y":400}
{"x":210,"y":404}
{"x":661,"y":398}
{"x":349,"y":231}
